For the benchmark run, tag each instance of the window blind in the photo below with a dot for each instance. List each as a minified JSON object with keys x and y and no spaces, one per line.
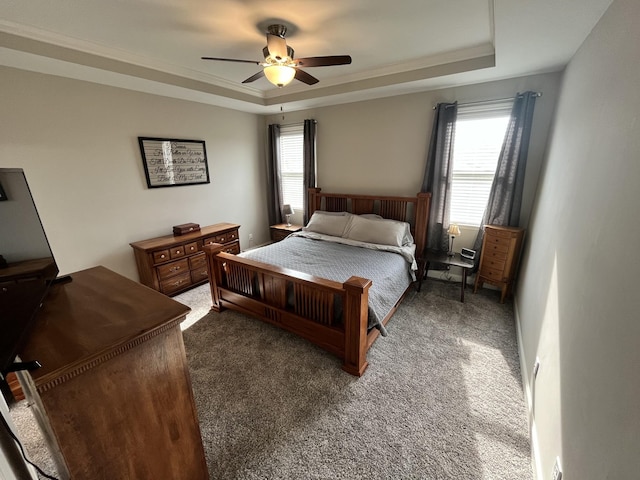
{"x":479,"y":136}
{"x":292,"y":165}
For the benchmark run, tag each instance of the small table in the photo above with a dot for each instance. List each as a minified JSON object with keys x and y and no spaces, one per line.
{"x":282,"y":230}
{"x":455,"y":261}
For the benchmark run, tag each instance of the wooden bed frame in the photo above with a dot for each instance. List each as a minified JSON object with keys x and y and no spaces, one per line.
{"x":261,"y":290}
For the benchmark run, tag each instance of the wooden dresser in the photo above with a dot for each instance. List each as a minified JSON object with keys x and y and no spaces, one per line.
{"x":113,"y":397}
{"x":175,"y":263}
{"x":499,"y":258}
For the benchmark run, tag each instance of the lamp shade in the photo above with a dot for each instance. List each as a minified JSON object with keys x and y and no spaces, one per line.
{"x":454,"y":230}
{"x":279,"y":75}
{"x":287,"y":210}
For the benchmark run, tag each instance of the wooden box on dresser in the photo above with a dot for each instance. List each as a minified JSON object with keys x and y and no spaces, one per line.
{"x":174,"y":263}
{"x":499,"y":258}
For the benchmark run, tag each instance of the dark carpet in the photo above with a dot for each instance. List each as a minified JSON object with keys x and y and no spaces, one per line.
{"x":441,"y":399}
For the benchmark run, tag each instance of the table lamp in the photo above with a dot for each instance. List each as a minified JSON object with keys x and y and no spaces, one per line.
{"x":454,"y":231}
{"x":287,"y":211}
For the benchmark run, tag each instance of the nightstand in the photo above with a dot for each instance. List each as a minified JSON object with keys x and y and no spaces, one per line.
{"x":455,"y":260}
{"x":280,"y":231}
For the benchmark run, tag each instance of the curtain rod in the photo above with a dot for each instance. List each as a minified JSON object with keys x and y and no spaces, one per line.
{"x":479,"y":102}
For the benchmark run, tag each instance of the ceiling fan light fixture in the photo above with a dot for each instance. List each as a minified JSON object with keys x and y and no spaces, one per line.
{"x":279,"y":75}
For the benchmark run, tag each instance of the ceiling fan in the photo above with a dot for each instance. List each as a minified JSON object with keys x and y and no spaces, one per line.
{"x":280,"y":67}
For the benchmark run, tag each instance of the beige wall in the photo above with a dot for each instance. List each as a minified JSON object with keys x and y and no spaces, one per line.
{"x":578,"y":303}
{"x":77,"y":143}
{"x":380,"y":146}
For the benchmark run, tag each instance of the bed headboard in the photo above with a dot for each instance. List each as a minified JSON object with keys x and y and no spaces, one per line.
{"x":414,"y":210}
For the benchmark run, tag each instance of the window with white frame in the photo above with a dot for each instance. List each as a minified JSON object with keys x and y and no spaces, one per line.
{"x":480,"y":131}
{"x":292,"y":165}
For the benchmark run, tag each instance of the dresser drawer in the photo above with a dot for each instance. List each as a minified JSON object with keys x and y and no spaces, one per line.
{"x":499,"y":232}
{"x":226,"y":237}
{"x":191,"y":248}
{"x":234,"y":248}
{"x":494,"y":263}
{"x":174,"y":268}
{"x":176,"y":252}
{"x":497,"y":244}
{"x":232,"y":236}
{"x":161,"y":256}
{"x":198,"y":261}
{"x":199,"y":274}
{"x":492,"y":274}
{"x":175,"y":283}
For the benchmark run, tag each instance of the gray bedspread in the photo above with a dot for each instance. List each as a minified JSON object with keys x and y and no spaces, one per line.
{"x":389,"y":272}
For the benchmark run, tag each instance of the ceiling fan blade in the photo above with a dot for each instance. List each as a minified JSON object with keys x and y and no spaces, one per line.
{"x":304,"y":77}
{"x":323,"y":61}
{"x":231,"y":60}
{"x":277,"y":46}
{"x":255,"y":77}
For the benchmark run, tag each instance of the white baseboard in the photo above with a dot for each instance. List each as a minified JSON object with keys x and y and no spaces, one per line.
{"x":528,"y":388}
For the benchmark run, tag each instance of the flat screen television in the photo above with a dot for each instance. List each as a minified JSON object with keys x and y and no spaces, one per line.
{"x":27,"y":265}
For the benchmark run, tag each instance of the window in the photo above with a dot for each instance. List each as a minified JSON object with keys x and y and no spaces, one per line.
{"x":292,"y":165}
{"x":479,"y":136}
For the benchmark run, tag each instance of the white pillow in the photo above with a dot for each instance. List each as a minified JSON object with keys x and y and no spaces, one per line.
{"x":380,"y":231}
{"x":328,"y":223}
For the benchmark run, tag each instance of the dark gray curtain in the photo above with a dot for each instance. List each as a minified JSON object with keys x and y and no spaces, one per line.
{"x":505,"y":198}
{"x":274,"y":182}
{"x":438,"y":175}
{"x":309,"y":149}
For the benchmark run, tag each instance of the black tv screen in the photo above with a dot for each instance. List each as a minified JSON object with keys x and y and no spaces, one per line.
{"x":27,"y":265}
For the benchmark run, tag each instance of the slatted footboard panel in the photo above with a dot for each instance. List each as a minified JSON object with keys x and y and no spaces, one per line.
{"x":316,"y":305}
{"x":303,"y":304}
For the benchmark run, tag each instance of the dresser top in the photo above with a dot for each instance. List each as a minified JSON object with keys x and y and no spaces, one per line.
{"x":169,"y":240}
{"x":96,"y":316}
{"x":504,"y":228}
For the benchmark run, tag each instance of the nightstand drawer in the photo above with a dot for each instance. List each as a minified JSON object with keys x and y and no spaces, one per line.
{"x":174,"y":268}
{"x":277,"y":235}
{"x":281,"y":231}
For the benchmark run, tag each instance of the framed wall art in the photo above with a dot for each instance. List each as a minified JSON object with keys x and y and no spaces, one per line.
{"x":171,"y":162}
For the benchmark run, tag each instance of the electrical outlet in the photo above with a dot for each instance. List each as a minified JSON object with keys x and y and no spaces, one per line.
{"x":536,"y":367}
{"x":556,"y":474}
{"x":251,"y":239}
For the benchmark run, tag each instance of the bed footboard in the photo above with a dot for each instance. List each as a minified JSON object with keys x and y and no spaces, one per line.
{"x":330,"y":314}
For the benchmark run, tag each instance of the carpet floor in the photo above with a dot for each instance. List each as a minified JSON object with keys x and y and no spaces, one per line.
{"x":442,"y":397}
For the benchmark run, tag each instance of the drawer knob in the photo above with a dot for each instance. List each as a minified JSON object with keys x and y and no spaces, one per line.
{"x":177,"y":251}
{"x":222,"y":239}
{"x":192,"y":248}
{"x":174,"y":269}
{"x":162,"y":256}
